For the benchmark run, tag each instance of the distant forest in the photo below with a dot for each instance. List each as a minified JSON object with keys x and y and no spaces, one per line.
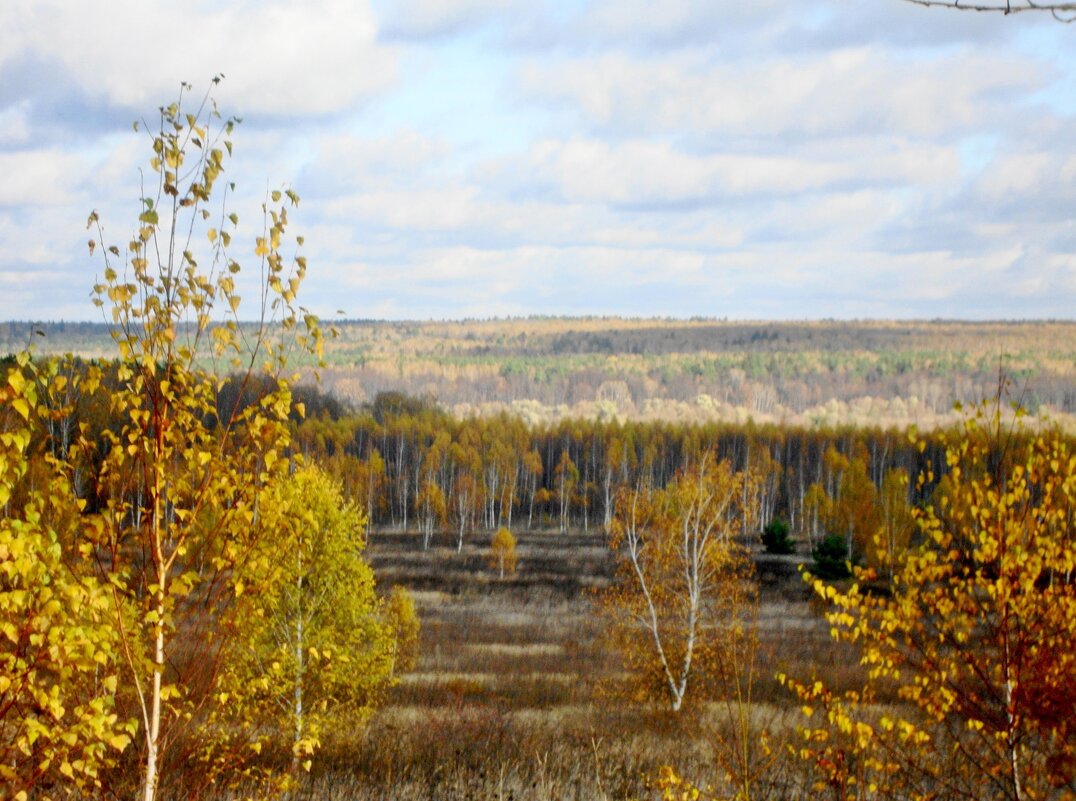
{"x":543,"y":369}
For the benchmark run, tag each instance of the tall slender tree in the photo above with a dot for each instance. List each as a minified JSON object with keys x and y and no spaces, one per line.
{"x":177,"y":520}
{"x":682,"y":579}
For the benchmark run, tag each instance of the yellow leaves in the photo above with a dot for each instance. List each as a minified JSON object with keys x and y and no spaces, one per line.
{"x":980,"y":579}
{"x":17,"y":381}
{"x":62,"y":646}
{"x":178,"y":487}
{"x":842,"y":620}
{"x":21,"y":406}
{"x":170,"y":692}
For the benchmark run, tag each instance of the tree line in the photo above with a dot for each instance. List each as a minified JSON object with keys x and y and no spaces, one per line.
{"x":413,"y":466}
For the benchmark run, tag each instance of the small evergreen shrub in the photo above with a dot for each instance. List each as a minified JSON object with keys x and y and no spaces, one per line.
{"x":831,"y":558}
{"x":776,"y":539}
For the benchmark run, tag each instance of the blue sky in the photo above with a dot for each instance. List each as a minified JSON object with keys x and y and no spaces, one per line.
{"x":477,"y":158}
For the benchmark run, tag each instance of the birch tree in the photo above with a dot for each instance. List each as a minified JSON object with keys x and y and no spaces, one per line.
{"x":502,"y":549}
{"x":682,"y":579}
{"x":177,"y":521}
{"x":323,"y":648}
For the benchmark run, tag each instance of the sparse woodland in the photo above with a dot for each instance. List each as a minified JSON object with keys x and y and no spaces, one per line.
{"x":217,"y":581}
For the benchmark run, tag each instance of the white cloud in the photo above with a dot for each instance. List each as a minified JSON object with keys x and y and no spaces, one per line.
{"x":416,"y":19}
{"x":417,"y":209}
{"x":494,"y":156}
{"x":281,"y":58}
{"x":464,"y":281}
{"x":1017,"y":174}
{"x":27,"y":255}
{"x":680,"y":22}
{"x":14,"y":125}
{"x":862,"y":90}
{"x":643,"y":172}
{"x":346,"y":162}
{"x":736,"y":27}
{"x":39,"y":177}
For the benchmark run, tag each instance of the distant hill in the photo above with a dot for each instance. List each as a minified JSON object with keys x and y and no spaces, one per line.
{"x":806,"y":372}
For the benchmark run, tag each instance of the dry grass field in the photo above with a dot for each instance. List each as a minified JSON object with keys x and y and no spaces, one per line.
{"x":513,"y":695}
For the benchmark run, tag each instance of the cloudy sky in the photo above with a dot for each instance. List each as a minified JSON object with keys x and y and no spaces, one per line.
{"x":473,"y":158}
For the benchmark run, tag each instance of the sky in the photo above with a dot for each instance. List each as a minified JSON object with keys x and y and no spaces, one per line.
{"x":760,"y":159}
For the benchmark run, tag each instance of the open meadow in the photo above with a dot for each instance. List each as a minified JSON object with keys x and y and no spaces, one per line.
{"x":514,"y":694}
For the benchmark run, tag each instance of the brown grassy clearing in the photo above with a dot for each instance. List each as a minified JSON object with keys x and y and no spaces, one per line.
{"x":510,"y":697}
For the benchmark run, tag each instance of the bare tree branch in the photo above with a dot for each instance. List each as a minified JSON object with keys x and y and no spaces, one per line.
{"x":1062,"y":12}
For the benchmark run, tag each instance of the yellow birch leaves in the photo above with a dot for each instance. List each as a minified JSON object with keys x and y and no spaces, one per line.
{"x":974,"y":635}
{"x":58,"y":639}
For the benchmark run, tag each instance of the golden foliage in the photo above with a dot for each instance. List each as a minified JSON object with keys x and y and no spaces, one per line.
{"x":402,"y":617}
{"x":176,"y":529}
{"x":322,"y":647}
{"x":58,"y":640}
{"x":503,"y":552}
{"x":683,"y":581}
{"x":673,"y":787}
{"x":975,"y":637}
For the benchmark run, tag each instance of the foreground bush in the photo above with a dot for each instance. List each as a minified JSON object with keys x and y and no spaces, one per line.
{"x":976,"y":637}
